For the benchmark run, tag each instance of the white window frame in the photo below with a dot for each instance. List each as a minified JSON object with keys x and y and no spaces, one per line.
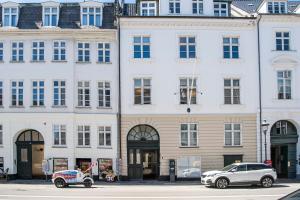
{"x":105,"y":130}
{"x":18,"y":49}
{"x":198,"y":3}
{"x":220,"y":9}
{"x":18,"y":94}
{"x":231,"y":44}
{"x":147,"y":8}
{"x":189,"y":87}
{"x":1,"y":93}
{"x":1,"y":135}
{"x":189,"y":132}
{"x":60,"y":87}
{"x":188,"y":45}
{"x":38,"y":87}
{"x":60,"y":129}
{"x":174,"y":2}
{"x":51,"y":13}
{"x":60,"y":48}
{"x":84,"y":129}
{"x":1,"y":51}
{"x":282,"y":38}
{"x":142,"y":88}
{"x":104,"y":52}
{"x":232,"y":131}
{"x":85,"y":85}
{"x":10,"y":14}
{"x":280,"y":11}
{"x":232,"y":88}
{"x":104,"y":86}
{"x":284,"y":85}
{"x":142,"y":44}
{"x":88,"y":13}
{"x":40,"y":51}
{"x":86,"y":52}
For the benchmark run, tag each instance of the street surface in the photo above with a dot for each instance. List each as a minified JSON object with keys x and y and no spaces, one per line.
{"x":148,"y":192}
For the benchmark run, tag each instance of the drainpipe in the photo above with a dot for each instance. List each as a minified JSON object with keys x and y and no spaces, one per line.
{"x":119,"y":98}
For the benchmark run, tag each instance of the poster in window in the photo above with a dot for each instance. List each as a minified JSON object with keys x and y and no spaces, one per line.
{"x":105,"y":166}
{"x":60,"y":164}
{"x":189,"y":167}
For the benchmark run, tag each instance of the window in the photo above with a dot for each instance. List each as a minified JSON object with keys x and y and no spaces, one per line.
{"x":187,"y":47}
{"x":59,"y":135}
{"x":1,"y":135}
{"x":232,"y":91}
{"x":148,"y":8}
{"x":17,"y":89}
{"x":10,"y":16}
{"x":83,"y":52}
{"x":17,"y":52}
{"x":197,"y":7}
{"x":103,"y":52}
{"x":232,"y":134}
{"x":253,"y":167}
{"x":281,"y":127}
{"x":141,"y":45}
{"x":277,"y":7}
{"x":1,"y":93}
{"x":284,"y":81}
{"x":230,"y":47}
{"x":91,"y":16}
{"x":59,"y":50}
{"x":104,"y":94}
{"x":2,"y":164}
{"x":83,"y":94}
{"x":38,"y":50}
{"x":104,"y":135}
{"x":220,"y":9}
{"x":83,"y":135}
{"x":282,"y":41}
{"x":142,"y":91}
{"x":50,"y":16}
{"x":1,"y":51}
{"x":188,"y":91}
{"x":174,"y":6}
{"x":241,"y":168}
{"x":38,"y":95}
{"x":59,"y":93}
{"x":189,"y":135}
{"x":60,"y":164}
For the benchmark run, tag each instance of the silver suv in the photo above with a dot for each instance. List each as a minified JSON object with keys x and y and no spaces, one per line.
{"x":239,"y":174}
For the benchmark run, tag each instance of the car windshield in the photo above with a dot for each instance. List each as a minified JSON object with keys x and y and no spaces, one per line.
{"x":228,"y":167}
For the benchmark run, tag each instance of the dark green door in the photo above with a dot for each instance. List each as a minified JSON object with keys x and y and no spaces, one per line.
{"x":229,"y":159}
{"x":135,"y":166}
{"x":24,"y":161}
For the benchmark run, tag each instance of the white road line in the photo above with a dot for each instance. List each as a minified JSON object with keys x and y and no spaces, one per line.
{"x":141,"y":197}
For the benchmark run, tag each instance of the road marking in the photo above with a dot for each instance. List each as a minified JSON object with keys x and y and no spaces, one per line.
{"x":141,"y":197}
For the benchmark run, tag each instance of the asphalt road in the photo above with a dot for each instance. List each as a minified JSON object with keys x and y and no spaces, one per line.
{"x":147,"y":192}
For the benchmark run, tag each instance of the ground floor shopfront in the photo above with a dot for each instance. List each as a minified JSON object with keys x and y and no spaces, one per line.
{"x":37,"y":143}
{"x":197,"y":143}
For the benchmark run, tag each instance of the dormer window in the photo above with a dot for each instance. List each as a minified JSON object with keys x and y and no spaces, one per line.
{"x":174,"y":6}
{"x":277,"y":7}
{"x":50,"y":16}
{"x":91,"y":16}
{"x":10,"y":16}
{"x":148,"y":8}
{"x":221,"y":9}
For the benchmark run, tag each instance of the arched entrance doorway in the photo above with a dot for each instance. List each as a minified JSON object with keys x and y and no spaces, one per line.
{"x":284,"y":140}
{"x":143,"y":153}
{"x":30,"y":154}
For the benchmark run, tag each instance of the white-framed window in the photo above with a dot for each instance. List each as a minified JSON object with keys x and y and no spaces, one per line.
{"x":84,"y":134}
{"x":148,"y":8}
{"x":17,"y":96}
{"x":38,"y":51}
{"x":232,"y":134}
{"x":91,"y":16}
{"x":277,"y":7}
{"x":1,"y":51}
{"x":221,"y":9}
{"x":59,"y":135}
{"x":10,"y":16}
{"x":141,"y":47}
{"x":17,"y":51}
{"x":50,"y":16}
{"x":188,"y":90}
{"x":142,"y":91}
{"x":38,"y":93}
{"x":230,"y":47}
{"x":2,"y":164}
{"x":187,"y":47}
{"x":104,"y":94}
{"x":284,"y":82}
{"x":232,"y":91}
{"x":59,"y":93}
{"x":197,"y":6}
{"x":104,"y":133}
{"x":189,"y":135}
{"x":1,"y":135}
{"x":83,"y":93}
{"x":83,"y":52}
{"x":59,"y":50}
{"x":174,"y":6}
{"x":282,"y":41}
{"x":1,"y":93}
{"x":104,"y":52}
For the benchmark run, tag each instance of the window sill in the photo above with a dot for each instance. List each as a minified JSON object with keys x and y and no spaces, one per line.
{"x":83,"y":62}
{"x":232,"y":60}
{"x":59,"y":106}
{"x":16,"y":106}
{"x":17,"y":61}
{"x":189,"y":147}
{"x":104,"y":108}
{"x":233,"y":106}
{"x":237,"y":146}
{"x":84,"y":147}
{"x":104,"y":147}
{"x":83,"y":107}
{"x":37,"y":106}
{"x":141,"y":60}
{"x":280,"y":51}
{"x":59,"y":147}
{"x":59,"y":61}
{"x":139,"y":105}
{"x":104,"y":63}
{"x":188,"y":60}
{"x":37,"y":61}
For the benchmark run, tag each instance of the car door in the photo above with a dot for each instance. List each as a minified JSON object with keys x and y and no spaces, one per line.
{"x":238,"y":174}
{"x":254,"y":172}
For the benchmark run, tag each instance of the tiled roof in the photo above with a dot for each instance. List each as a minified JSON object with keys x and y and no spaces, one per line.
{"x":31,"y":16}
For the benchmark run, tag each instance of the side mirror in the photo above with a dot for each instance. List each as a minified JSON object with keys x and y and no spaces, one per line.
{"x":233,"y":170}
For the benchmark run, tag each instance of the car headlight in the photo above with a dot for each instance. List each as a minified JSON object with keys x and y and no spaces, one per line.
{"x":211,"y":175}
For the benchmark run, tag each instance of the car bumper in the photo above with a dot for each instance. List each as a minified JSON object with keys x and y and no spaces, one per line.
{"x":207,"y":181}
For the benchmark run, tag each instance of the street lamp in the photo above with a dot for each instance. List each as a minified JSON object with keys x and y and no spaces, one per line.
{"x":265,"y":127}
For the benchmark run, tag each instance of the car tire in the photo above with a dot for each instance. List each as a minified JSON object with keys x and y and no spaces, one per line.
{"x":87,"y":183}
{"x":266,"y":182}
{"x":222,"y":183}
{"x":60,"y":183}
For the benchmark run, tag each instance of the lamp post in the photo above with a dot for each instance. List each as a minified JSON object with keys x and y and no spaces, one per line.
{"x":265,"y":127}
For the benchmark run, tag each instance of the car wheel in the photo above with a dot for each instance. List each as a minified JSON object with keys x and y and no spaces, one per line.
{"x":60,"y":183}
{"x":267,"y":182}
{"x":87,"y":183}
{"x":222,"y":183}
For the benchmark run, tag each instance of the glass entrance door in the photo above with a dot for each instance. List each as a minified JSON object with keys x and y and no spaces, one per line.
{"x":150,"y":164}
{"x":135,"y":167}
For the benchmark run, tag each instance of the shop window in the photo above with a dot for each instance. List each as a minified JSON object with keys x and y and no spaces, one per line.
{"x":105,"y":166}
{"x":189,"y":167}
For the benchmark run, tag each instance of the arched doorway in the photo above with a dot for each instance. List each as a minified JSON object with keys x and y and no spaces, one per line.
{"x":143,"y":153}
{"x":30,"y":154}
{"x":284,"y":140}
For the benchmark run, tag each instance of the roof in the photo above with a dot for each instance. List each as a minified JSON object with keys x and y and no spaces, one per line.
{"x":69,"y":16}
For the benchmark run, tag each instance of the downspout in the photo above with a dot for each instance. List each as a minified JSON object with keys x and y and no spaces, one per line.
{"x":119,"y":98}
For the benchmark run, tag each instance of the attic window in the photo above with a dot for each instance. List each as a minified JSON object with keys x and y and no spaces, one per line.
{"x":277,"y":7}
{"x":50,"y":17}
{"x":148,"y":8}
{"x":91,"y":16}
{"x":10,"y":16}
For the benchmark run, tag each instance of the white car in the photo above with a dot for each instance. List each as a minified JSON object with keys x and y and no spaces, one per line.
{"x":239,"y":174}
